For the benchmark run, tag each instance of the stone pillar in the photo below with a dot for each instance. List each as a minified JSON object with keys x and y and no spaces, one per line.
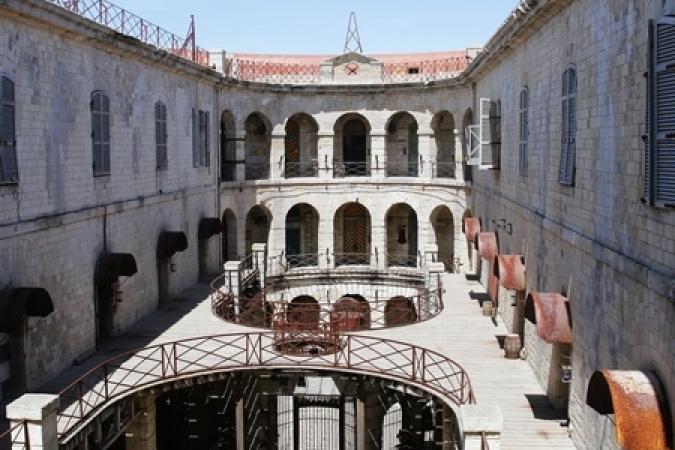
{"x":478,"y":422}
{"x":142,"y":432}
{"x":461,"y":246}
{"x":360,"y":425}
{"x":459,"y":156}
{"x":325,"y":154}
{"x":448,"y":428}
{"x":231,"y":283}
{"x":260,"y":260}
{"x":434,"y":273}
{"x":430,"y":254}
{"x":378,"y":155}
{"x":240,"y":156}
{"x":427,"y":150}
{"x":277,"y":154}
{"x":39,"y":412}
{"x":378,"y":260}
{"x":326,"y":243}
{"x":240,"y":425}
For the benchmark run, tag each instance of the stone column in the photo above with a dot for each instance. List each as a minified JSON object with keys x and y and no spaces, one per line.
{"x":459,"y":156}
{"x":277,"y":154}
{"x":360,"y":425}
{"x":448,"y":428}
{"x":142,"y":432}
{"x":240,"y":156}
{"x":39,"y":413}
{"x":480,"y":422}
{"x":427,"y":151}
{"x":326,"y":243}
{"x":378,"y":155}
{"x":434,"y":273}
{"x":461,"y":246}
{"x":378,"y":259}
{"x":240,"y":425}
{"x":325,"y":154}
{"x":231,"y":269}
{"x":260,"y":260}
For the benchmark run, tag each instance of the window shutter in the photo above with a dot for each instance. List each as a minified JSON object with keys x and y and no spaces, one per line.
{"x":473,"y":145}
{"x":195,"y":138}
{"x":490,"y":132}
{"x":207,"y":138}
{"x":663,"y":156}
{"x":160,"y":136}
{"x":524,"y":131}
{"x":568,"y":129}
{"x":9,"y":172}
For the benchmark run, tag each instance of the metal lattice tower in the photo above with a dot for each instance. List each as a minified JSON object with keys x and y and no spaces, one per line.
{"x":352,"y":39}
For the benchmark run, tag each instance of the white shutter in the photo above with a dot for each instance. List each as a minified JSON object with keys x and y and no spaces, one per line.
{"x":490,"y":133}
{"x":195,"y":138}
{"x":473,"y":145}
{"x":9,"y":172}
{"x":663,"y":156}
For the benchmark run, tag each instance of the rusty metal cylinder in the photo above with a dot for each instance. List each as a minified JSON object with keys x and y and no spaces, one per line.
{"x":512,"y":346}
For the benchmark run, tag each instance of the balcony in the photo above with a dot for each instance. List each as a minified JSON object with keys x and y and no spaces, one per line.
{"x":444,"y":169}
{"x":342,"y":169}
{"x":301,"y":169}
{"x":257,"y":171}
{"x":402,"y":169}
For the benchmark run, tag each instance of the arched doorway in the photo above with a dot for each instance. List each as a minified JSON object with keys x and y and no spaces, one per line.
{"x":444,"y":231}
{"x":257,"y":144}
{"x":466,"y":122}
{"x":401,"y":223}
{"x":443,"y":125}
{"x":352,"y":235}
{"x":399,"y":311}
{"x":228,"y":147}
{"x":301,"y":146}
{"x":401,"y":146}
{"x":352,"y":313}
{"x":229,"y":236}
{"x":304,"y":313}
{"x":351,"y":146}
{"x":392,"y":426}
{"x":258,"y":222}
{"x":302,"y":236}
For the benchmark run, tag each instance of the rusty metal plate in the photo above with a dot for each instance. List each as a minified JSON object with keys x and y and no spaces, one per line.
{"x":487,"y":246}
{"x":550,"y":312}
{"x":636,"y":399}
{"x":511,"y":271}
{"x":471,"y":228}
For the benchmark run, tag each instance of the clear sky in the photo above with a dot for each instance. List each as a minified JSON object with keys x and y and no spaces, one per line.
{"x":319,"y":26}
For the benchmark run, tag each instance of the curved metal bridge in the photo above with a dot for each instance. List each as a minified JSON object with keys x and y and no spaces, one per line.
{"x":133,"y":371}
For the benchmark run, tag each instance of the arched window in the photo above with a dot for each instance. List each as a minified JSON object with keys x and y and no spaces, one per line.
{"x":569,"y":128}
{"x":9,"y":171}
{"x":524,"y":130}
{"x":161,"y":136}
{"x":100,"y":132}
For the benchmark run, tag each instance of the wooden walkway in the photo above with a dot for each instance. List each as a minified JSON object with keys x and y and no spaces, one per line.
{"x":460,"y":332}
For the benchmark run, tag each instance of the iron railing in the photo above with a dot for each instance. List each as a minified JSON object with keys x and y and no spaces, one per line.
{"x":119,"y":19}
{"x":421,"y":71}
{"x":129,"y":372}
{"x":343,"y":169}
{"x":402,"y":260}
{"x":301,"y":169}
{"x":402,"y":169}
{"x":302,"y":260}
{"x":274,"y":72}
{"x":351,"y":259}
{"x":16,"y":437}
{"x":257,"y":171}
{"x":444,"y":169}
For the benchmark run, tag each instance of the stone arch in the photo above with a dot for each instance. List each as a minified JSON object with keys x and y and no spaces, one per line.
{"x":399,"y":310}
{"x":351,"y":146}
{"x":352,"y":235}
{"x":443,"y":126}
{"x":301,"y":146}
{"x":228,"y":147}
{"x":304,"y":312}
{"x":257,"y":143}
{"x":443,"y":224}
{"x":258,"y":223}
{"x":402,"y":145}
{"x":229,"y":236}
{"x":302,"y":236}
{"x":402,"y":235}
{"x":352,"y":311}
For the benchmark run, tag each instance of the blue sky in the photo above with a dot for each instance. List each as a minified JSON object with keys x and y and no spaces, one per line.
{"x":319,"y":26}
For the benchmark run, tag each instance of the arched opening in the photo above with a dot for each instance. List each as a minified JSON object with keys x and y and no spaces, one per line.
{"x":352,"y":235}
{"x":258,"y":222}
{"x":258,"y":141}
{"x":443,"y":125}
{"x":401,"y":146}
{"x":302,"y":236}
{"x":444,"y":231}
{"x":401,"y":222}
{"x":466,"y":122}
{"x":399,"y":311}
{"x":351,"y":146}
{"x":229,"y":236}
{"x":110,"y":267}
{"x":228,"y":147}
{"x":352,"y":313}
{"x":304,"y":313}
{"x":301,"y":146}
{"x":393,"y":434}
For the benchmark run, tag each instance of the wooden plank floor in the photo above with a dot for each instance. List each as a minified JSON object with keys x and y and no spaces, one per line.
{"x":460,"y":332}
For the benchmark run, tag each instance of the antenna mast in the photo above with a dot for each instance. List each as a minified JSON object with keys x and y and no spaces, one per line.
{"x":352,"y":39}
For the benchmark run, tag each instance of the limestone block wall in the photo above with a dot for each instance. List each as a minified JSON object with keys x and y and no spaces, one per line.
{"x":597,"y":242}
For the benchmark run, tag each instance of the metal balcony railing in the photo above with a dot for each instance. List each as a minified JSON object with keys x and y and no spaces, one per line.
{"x":228,"y":171}
{"x":302,"y":260}
{"x":301,"y":169}
{"x":402,"y":169}
{"x":257,"y":171}
{"x":351,"y":259}
{"x":444,"y":169}
{"x":402,"y":260}
{"x":342,"y":169}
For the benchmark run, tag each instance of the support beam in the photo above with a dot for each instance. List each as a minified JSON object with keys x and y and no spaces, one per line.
{"x":142,"y":432}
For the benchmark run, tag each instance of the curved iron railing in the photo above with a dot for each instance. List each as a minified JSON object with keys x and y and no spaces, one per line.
{"x":122,"y":375}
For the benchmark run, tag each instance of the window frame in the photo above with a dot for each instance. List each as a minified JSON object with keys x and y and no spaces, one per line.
{"x":568,"y":127}
{"x":8,"y":146}
{"x":161,"y":137}
{"x":100,"y":117}
{"x":524,"y":131}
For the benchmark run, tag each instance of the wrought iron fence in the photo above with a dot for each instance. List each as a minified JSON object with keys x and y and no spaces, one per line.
{"x":275,"y":72}
{"x":257,"y":171}
{"x":402,"y":260}
{"x":119,"y":19}
{"x":122,"y":375}
{"x":421,"y":71}
{"x":343,"y":169}
{"x":301,"y":169}
{"x":16,"y":437}
{"x":444,"y":169}
{"x":351,"y":259}
{"x":402,"y":169}
{"x":302,"y":260}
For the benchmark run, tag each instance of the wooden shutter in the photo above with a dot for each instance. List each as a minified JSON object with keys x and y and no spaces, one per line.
{"x":568,"y":129}
{"x":490,"y":133}
{"x":207,"y":139}
{"x":663,"y":97}
{"x":100,"y":133}
{"x":9,"y":172}
{"x":524,"y":131}
{"x":195,"y":138}
{"x":161,"y":136}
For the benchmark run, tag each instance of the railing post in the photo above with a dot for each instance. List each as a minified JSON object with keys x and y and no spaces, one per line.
{"x":259,"y":251}
{"x":481,"y":425}
{"x":38,"y":412}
